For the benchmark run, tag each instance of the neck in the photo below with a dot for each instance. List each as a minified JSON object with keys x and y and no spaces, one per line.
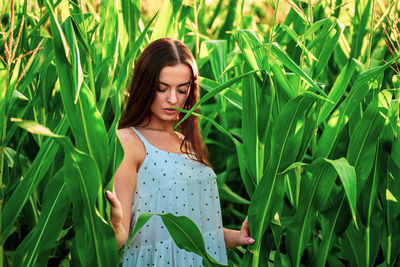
{"x":165,"y":126}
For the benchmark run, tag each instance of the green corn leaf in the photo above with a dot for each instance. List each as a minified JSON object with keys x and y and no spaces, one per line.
{"x":187,"y":236}
{"x":218,"y":53}
{"x":296,"y":38}
{"x":125,"y":68}
{"x":183,"y":231}
{"x":40,"y":65}
{"x":301,"y":16}
{"x":20,"y":96}
{"x":166,"y":24}
{"x":251,"y":143}
{"x":312,"y":197}
{"x":94,"y":239}
{"x":340,"y":117}
{"x":228,"y":194}
{"x":293,"y":166}
{"x":281,"y":78}
{"x":292,"y":185}
{"x":247,"y":259}
{"x":85,"y":120}
{"x":310,"y":128}
{"x":252,"y":49}
{"x":393,"y":116}
{"x":249,"y":183}
{"x":277,"y":234}
{"x":395,"y":153}
{"x":337,"y":91}
{"x":214,"y":92}
{"x":229,"y":20}
{"x":94,"y":130}
{"x":235,"y":62}
{"x":216,"y":11}
{"x":361,"y":26}
{"x":131,"y":16}
{"x":266,"y":103}
{"x":7,"y":99}
{"x":311,"y":32}
{"x":35,"y":249}
{"x":391,"y":208}
{"x":230,"y":94}
{"x":343,"y":51}
{"x":330,"y":222}
{"x":35,"y":128}
{"x":361,"y":149}
{"x":20,"y":195}
{"x":326,"y":48}
{"x":109,"y":28}
{"x":115,"y":147}
{"x":374,"y":183}
{"x":81,"y":37}
{"x":383,"y":16}
{"x":348,"y":178}
{"x":290,"y":64}
{"x":353,"y":246}
{"x":286,"y":139}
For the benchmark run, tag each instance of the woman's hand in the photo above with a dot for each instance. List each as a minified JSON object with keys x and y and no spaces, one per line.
{"x":121,"y":234}
{"x":245,"y":237}
{"x":116,"y":211}
{"x":234,"y":238}
{"x":244,"y":234}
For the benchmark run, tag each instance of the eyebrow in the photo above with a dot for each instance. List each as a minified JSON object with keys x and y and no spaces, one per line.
{"x":186,"y":83}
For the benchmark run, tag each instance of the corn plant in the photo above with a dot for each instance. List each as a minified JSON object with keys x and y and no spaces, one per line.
{"x":300,"y":116}
{"x":316,"y":148}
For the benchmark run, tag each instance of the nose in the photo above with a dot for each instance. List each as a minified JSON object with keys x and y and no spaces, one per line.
{"x":172,"y":97}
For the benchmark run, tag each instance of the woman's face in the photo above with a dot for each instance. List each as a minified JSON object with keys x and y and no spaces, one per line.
{"x":173,"y":90}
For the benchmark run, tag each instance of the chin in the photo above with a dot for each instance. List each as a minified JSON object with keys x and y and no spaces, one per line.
{"x":167,"y":118}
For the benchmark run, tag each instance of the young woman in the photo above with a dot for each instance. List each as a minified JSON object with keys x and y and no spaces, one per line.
{"x":164,"y":171}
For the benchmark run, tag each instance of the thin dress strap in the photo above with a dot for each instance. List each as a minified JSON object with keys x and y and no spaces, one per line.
{"x":144,"y":140}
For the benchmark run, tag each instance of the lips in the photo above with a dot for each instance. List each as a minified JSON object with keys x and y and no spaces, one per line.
{"x":170,"y":110}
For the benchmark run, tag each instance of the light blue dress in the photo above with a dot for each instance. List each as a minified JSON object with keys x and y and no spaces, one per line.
{"x":173,"y":183}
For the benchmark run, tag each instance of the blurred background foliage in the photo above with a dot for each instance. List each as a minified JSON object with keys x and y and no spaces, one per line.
{"x":299,"y":110}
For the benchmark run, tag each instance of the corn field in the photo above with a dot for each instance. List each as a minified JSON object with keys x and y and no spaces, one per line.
{"x":299,"y":108}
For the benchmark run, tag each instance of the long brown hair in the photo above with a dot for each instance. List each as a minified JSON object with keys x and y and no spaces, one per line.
{"x":143,"y":87}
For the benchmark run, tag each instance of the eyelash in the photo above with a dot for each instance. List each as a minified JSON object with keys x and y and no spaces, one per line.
{"x":163,"y":90}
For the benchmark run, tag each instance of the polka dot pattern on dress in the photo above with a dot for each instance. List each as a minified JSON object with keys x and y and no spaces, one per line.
{"x":174,"y":183}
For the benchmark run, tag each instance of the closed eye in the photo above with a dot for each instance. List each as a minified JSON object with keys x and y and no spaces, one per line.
{"x":183,"y":88}
{"x":182,"y":91}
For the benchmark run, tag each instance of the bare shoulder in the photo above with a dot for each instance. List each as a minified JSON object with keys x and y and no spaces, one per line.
{"x":132,"y":145}
{"x":126,"y":136}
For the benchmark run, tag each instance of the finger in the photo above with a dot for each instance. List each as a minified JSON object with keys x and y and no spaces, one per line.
{"x":246,"y":240}
{"x":109,"y":195}
{"x":249,"y":240}
{"x":112,"y":198}
{"x":245,"y":227}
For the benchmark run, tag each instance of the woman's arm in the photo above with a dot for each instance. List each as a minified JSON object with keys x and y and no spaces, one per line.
{"x":124,"y":184}
{"x":234,"y":238}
